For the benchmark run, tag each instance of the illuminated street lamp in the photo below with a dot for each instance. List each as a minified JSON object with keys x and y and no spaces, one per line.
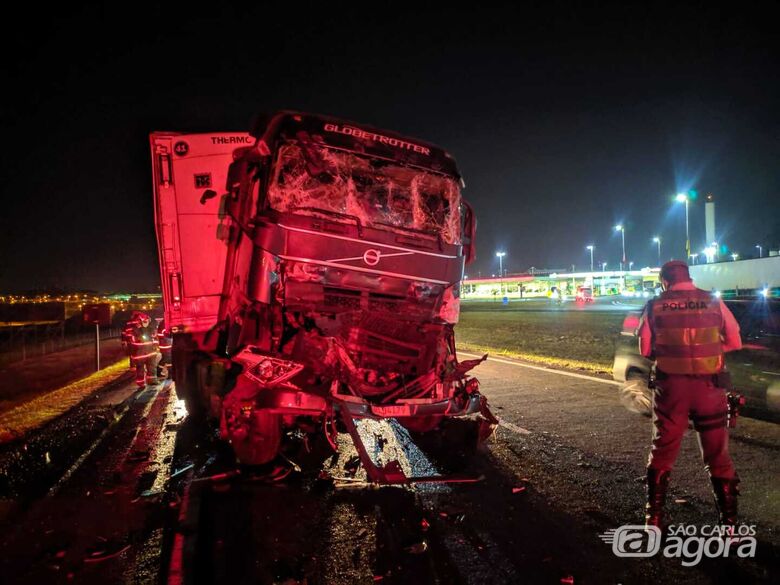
{"x":760,"y":250}
{"x":734,"y":257}
{"x":622,"y":230}
{"x":683,"y":198}
{"x":591,"y":247}
{"x":630,"y":265}
{"x":693,"y":257}
{"x":657,"y":240}
{"x":501,"y":270}
{"x":603,"y":266}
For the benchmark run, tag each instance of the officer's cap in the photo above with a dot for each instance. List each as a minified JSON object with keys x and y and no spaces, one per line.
{"x":675,"y":271}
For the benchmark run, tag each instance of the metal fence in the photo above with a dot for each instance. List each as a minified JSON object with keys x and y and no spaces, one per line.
{"x":26,"y":343}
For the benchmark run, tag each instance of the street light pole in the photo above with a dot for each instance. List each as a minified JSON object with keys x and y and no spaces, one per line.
{"x":501,"y":270}
{"x":683,"y":197}
{"x":657,"y":240}
{"x":760,"y":250}
{"x":622,"y":231}
{"x":591,"y":256}
{"x":687,"y":230}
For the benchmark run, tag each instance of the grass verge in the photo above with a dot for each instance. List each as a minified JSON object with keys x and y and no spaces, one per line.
{"x":567,"y":339}
{"x":46,"y":407}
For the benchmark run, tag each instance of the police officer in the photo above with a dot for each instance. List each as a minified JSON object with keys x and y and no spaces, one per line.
{"x":144,"y":351}
{"x":687,"y":331}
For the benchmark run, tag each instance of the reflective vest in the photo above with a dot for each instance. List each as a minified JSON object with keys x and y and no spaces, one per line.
{"x":143,"y":343}
{"x":686,"y":326}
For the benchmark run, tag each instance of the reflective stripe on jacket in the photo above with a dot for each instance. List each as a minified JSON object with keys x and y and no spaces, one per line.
{"x":686,"y":327}
{"x":143,"y":341}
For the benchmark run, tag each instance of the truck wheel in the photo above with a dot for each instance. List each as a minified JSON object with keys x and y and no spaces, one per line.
{"x":184,"y":371}
{"x":635,"y":395}
{"x":188,"y":389}
{"x":262,"y":443}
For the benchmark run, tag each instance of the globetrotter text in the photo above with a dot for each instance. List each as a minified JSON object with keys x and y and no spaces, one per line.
{"x":358,"y":133}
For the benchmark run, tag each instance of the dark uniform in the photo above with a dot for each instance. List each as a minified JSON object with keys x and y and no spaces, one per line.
{"x":688,"y":331}
{"x":127,"y":336}
{"x":144,"y":351}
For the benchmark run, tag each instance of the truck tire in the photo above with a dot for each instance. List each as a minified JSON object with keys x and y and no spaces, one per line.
{"x":635,"y":395}
{"x":262,"y":445}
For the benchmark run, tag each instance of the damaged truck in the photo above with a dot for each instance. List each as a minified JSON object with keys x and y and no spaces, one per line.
{"x":310,"y":277}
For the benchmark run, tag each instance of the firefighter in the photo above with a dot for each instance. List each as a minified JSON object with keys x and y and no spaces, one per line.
{"x":164,"y":343}
{"x":127,"y":336}
{"x":145,"y":353}
{"x":687,"y":331}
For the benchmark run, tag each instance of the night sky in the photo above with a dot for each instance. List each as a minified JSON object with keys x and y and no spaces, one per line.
{"x":564,"y":120}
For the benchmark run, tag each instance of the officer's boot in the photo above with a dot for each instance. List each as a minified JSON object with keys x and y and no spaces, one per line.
{"x":657,"y":482}
{"x":726,"y":492}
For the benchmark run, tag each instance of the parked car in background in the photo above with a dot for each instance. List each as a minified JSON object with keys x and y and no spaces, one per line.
{"x":755,"y":370}
{"x":584,"y":294}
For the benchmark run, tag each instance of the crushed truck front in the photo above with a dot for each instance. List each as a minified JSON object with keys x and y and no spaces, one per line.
{"x":344,"y":250}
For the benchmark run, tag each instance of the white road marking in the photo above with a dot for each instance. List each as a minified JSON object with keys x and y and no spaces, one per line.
{"x":544,"y":369}
{"x":512,"y":427}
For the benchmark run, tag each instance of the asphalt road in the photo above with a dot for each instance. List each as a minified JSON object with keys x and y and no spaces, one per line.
{"x":585,"y":456}
{"x":143,"y":500}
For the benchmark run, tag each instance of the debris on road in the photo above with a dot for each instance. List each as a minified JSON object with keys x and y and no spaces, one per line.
{"x":182,"y":470}
{"x":418,"y":548}
{"x":104,"y":551}
{"x":218,"y":477}
{"x":352,"y":465}
{"x":138,"y":455}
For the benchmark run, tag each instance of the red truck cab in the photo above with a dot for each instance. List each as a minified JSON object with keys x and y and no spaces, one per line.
{"x":311,"y":276}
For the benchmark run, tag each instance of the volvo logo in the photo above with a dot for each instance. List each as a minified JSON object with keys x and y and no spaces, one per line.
{"x":372,"y":256}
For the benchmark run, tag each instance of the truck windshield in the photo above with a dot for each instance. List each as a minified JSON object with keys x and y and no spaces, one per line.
{"x":309,"y":177}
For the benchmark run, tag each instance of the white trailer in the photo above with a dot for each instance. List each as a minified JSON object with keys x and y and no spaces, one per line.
{"x":743,"y":275}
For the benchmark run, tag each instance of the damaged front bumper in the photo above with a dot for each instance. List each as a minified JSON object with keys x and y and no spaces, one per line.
{"x":265,"y":393}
